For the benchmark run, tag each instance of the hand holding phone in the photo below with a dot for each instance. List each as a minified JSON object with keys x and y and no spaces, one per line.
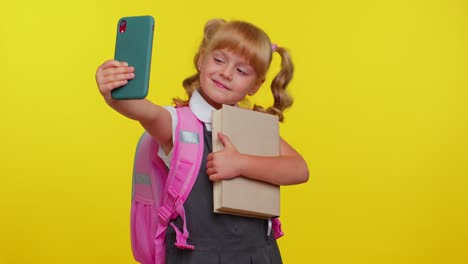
{"x":134,"y":44}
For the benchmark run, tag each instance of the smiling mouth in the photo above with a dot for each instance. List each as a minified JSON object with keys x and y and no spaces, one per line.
{"x":220,"y":85}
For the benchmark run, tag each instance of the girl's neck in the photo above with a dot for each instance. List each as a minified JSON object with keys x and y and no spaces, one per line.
{"x":209,"y":101}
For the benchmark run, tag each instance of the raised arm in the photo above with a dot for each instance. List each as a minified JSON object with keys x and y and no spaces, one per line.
{"x":287,"y":169}
{"x":155,"y":119}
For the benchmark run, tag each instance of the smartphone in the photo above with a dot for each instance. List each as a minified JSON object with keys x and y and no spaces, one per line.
{"x":134,"y":44}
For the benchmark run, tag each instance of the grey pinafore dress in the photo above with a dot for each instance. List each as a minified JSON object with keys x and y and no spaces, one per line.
{"x":219,"y":238}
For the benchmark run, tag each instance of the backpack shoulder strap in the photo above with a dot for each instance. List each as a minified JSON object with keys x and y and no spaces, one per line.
{"x":186,"y":160}
{"x":187,"y":153}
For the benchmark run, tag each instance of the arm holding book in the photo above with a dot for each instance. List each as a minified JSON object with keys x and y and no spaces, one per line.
{"x":287,"y":169}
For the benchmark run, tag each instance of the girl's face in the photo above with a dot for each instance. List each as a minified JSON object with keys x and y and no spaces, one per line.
{"x":226,"y":78}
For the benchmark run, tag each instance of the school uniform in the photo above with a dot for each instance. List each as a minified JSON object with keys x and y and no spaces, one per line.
{"x":218,"y":238}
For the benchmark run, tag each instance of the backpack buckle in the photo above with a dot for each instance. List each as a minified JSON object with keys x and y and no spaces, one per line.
{"x":173,"y":193}
{"x":164,"y":215}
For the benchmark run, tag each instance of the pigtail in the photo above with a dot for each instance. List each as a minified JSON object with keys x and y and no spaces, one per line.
{"x":281,"y":99}
{"x":192,"y":83}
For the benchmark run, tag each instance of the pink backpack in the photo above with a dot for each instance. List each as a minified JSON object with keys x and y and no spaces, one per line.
{"x":158,"y":194}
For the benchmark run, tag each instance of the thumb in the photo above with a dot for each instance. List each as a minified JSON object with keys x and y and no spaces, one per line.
{"x":224,"y":139}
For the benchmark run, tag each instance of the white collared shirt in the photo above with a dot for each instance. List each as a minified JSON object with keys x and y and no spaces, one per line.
{"x":202,"y":110}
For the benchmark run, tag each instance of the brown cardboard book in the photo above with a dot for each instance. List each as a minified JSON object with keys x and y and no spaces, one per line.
{"x":252,"y":133}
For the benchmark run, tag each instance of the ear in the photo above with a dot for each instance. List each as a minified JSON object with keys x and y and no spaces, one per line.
{"x":200,"y":59}
{"x":257,"y":86}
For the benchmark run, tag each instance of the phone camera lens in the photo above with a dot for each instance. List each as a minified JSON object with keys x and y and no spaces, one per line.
{"x":123,"y":26}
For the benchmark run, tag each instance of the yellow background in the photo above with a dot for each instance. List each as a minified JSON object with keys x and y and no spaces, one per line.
{"x":380,"y":115}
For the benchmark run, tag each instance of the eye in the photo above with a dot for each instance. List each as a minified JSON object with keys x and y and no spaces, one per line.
{"x":242,"y":71}
{"x":218,"y":60}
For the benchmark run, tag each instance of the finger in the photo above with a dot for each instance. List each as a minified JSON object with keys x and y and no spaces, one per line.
{"x":209,"y":164}
{"x":113,"y":67}
{"x":121,"y":76}
{"x":113,"y":85}
{"x":210,"y":171}
{"x":210,"y":157}
{"x":224,"y":139}
{"x":115,"y":63}
{"x":117,"y":70}
{"x":113,"y":81}
{"x":103,"y":80}
{"x":111,"y":64}
{"x":102,"y":73}
{"x":215,"y":177}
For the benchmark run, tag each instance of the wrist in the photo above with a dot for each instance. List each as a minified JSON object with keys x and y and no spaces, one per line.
{"x":243,"y":164}
{"x":108,"y":99}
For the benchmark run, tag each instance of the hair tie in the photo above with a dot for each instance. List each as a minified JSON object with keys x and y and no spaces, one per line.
{"x":273,"y":47}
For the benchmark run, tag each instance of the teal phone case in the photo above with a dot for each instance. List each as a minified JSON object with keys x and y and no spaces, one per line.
{"x":134,"y":45}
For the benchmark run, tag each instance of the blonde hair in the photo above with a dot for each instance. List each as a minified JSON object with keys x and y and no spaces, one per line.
{"x":255,"y":46}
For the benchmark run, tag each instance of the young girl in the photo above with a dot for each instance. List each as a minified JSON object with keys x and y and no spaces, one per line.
{"x":232,"y":62}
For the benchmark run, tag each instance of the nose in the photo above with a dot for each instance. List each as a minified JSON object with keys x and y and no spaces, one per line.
{"x":226,"y":73}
